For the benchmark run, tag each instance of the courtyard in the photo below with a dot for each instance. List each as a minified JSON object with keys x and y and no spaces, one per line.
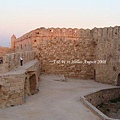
{"x":58,"y":99}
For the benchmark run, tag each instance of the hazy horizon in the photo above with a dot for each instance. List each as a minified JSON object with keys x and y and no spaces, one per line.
{"x":21,"y":16}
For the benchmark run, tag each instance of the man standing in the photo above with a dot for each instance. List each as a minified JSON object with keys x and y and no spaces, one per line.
{"x":21,"y":61}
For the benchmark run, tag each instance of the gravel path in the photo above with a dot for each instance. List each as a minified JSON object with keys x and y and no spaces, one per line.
{"x":56,"y":100}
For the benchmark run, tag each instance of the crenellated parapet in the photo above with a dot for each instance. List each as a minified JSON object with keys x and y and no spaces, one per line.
{"x":28,"y":41}
{"x":56,"y":32}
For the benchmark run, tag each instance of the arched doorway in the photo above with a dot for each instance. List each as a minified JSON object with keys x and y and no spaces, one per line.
{"x":33,"y":84}
{"x":118,"y":80}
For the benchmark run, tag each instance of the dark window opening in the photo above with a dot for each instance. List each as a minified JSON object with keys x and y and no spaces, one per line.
{"x":94,"y":75}
{"x":21,"y":46}
{"x":118,"y":80}
{"x":1,"y":60}
{"x":37,"y":32}
{"x":51,"y":30}
{"x":1,"y":90}
{"x":116,"y":32}
{"x":114,"y":68}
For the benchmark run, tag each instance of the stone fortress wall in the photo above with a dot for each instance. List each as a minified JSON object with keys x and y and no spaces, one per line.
{"x":60,"y":44}
{"x":62,"y":51}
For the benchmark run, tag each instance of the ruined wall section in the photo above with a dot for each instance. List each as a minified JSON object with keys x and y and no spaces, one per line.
{"x":64,"y":45}
{"x":107,"y":48}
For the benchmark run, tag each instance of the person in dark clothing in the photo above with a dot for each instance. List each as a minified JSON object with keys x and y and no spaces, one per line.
{"x":21,"y":61}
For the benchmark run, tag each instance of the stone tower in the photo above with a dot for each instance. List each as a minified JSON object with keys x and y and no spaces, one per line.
{"x":13,"y":38}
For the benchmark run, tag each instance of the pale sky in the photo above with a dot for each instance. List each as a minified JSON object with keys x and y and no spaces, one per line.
{"x":21,"y":16}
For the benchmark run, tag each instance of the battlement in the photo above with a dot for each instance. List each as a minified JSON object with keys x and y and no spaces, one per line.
{"x":32,"y":39}
{"x":56,"y":32}
{"x":66,"y":32}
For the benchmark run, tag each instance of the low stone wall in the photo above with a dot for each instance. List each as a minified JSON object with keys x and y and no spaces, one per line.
{"x":16,"y":85}
{"x":94,"y":99}
{"x":11,"y":61}
{"x":103,"y":96}
{"x":12,"y":90}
